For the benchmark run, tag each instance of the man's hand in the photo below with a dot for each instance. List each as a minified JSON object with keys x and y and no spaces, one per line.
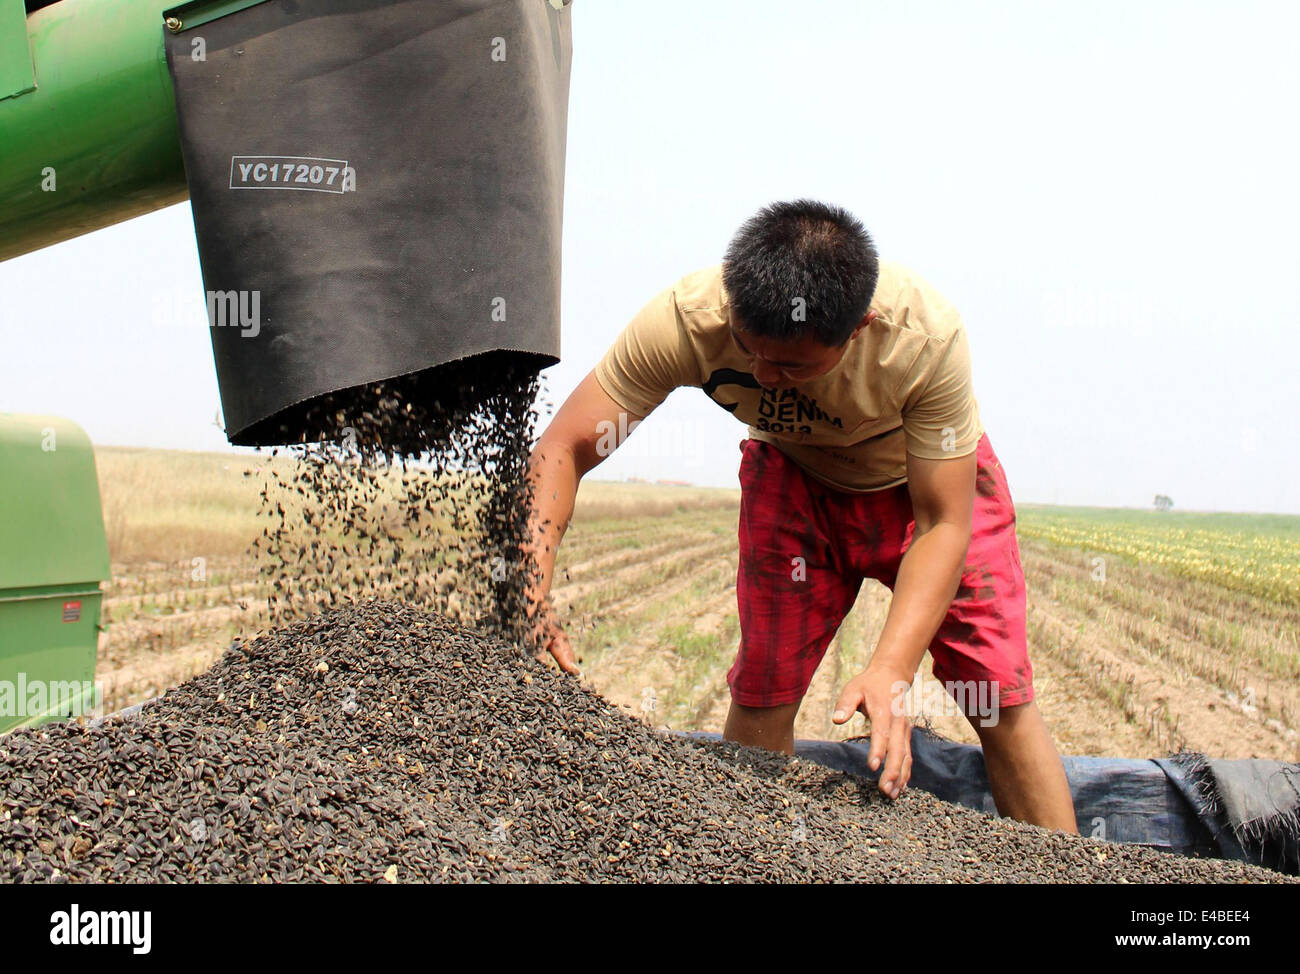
{"x":878,"y":692}
{"x":551,"y":638}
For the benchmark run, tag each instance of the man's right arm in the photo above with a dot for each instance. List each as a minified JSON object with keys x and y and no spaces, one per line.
{"x":574,"y":443}
{"x":651,"y":357}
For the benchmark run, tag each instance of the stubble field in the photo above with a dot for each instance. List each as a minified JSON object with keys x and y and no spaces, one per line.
{"x":1148,"y":631}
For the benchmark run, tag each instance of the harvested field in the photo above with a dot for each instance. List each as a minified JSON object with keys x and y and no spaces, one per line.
{"x":383,"y":742}
{"x":1138,"y":666}
{"x":1143,"y":664}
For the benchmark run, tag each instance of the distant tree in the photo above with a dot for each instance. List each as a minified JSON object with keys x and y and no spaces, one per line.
{"x":1163,"y":502}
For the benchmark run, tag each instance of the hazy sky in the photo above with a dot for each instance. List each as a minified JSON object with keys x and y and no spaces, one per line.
{"x":1106,"y":191}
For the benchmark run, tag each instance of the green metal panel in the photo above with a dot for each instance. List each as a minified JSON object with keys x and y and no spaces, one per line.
{"x":47,"y":665}
{"x":53,"y":555}
{"x":16,"y":74}
{"x":51,"y":524}
{"x":95,"y":142}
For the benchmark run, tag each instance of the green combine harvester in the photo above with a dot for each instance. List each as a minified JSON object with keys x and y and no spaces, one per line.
{"x":88,"y":123}
{"x":55,"y":556}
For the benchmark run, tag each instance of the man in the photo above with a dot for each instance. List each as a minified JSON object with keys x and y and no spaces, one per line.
{"x":865,"y":459}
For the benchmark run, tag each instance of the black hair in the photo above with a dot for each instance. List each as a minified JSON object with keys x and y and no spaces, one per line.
{"x":801,"y":268}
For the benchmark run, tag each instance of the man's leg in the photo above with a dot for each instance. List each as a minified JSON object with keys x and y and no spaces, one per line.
{"x":1025,"y":772}
{"x":769,"y":727}
{"x":791,"y":596}
{"x":981,"y":655}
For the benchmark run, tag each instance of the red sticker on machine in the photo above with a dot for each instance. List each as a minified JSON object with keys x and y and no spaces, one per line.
{"x":71,"y":611}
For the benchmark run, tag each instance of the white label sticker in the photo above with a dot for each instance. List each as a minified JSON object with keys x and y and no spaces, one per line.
{"x":292,"y":172}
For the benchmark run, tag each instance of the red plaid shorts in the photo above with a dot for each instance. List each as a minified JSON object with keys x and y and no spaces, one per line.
{"x":790,"y":610}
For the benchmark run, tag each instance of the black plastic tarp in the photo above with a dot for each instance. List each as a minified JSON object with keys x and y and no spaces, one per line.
{"x":377,"y":188}
{"x":1247,"y":810}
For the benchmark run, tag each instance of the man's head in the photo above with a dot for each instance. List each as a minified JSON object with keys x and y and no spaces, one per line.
{"x":799,"y":277}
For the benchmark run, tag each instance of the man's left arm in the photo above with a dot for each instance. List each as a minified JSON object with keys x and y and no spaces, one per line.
{"x":939,"y":419}
{"x":942,"y":430}
{"x":943,"y":497}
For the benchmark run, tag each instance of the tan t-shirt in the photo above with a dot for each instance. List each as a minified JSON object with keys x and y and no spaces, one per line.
{"x":903,"y":385}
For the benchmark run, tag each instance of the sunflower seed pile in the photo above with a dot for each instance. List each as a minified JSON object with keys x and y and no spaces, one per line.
{"x":413,"y":488}
{"x":382,"y":742}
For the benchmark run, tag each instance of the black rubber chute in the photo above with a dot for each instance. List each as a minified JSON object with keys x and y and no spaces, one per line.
{"x":377,"y":190}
